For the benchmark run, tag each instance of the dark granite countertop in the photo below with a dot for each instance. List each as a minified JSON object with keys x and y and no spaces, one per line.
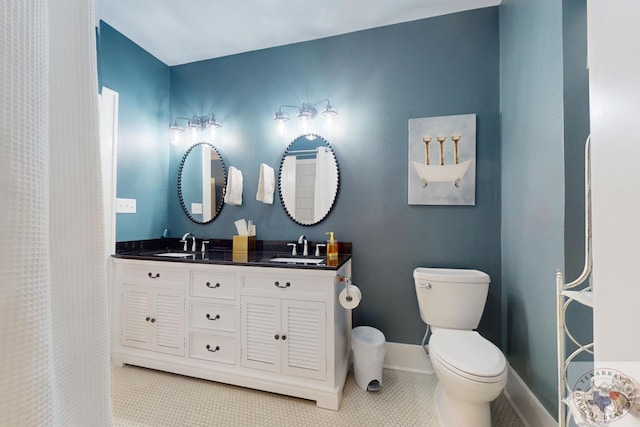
{"x":219,"y":251}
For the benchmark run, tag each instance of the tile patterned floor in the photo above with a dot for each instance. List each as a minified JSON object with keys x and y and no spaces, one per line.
{"x":148,"y":398}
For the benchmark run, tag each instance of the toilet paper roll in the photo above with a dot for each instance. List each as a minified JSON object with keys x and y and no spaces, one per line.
{"x":350,"y":297}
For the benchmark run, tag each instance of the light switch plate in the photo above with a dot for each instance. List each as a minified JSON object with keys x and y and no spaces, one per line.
{"x":125,"y":205}
{"x":196,"y":208}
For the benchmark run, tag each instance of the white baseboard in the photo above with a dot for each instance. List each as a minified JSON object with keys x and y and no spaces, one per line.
{"x":413,"y":358}
{"x":407,"y":357}
{"x":526,"y":404}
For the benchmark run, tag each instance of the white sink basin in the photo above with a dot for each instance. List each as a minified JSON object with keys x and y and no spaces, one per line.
{"x":294,"y":260}
{"x":175,"y":255}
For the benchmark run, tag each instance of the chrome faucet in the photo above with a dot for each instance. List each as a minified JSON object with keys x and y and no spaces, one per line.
{"x":303,"y":239}
{"x":294,"y":251}
{"x":193,"y":242}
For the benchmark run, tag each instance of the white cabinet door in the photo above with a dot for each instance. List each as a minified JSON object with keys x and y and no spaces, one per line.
{"x":261,"y":333}
{"x":168,"y":327}
{"x":304,"y":339}
{"x":136,"y":331}
{"x":285,"y":336}
{"x":153,"y":319}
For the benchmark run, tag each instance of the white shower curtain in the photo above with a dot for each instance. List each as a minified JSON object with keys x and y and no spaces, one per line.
{"x":54,"y":348}
{"x":326,"y":177}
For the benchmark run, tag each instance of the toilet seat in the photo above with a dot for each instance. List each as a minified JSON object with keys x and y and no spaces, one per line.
{"x":468,"y":354}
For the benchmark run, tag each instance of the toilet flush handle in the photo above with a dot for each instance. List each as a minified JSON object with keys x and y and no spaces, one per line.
{"x":424,"y":285}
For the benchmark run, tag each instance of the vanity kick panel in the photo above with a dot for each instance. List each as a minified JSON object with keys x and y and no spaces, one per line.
{"x":213,"y":285}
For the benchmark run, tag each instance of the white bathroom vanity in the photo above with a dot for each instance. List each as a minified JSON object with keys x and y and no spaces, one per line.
{"x":280,"y":330}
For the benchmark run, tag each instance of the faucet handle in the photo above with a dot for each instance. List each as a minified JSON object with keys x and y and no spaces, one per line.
{"x":203,"y":247}
{"x":318,"y":248}
{"x":294,"y":251}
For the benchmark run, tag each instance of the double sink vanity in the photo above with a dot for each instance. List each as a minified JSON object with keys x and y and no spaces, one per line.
{"x":269,"y":321}
{"x":263,"y":319}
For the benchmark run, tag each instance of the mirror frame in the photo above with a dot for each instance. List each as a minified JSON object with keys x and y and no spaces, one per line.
{"x":224,"y":184}
{"x":335,"y":197}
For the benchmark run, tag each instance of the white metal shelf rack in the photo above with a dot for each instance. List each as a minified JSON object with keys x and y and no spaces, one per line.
{"x":580,"y":291}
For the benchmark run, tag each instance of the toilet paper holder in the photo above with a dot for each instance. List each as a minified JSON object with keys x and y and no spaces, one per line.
{"x":347,"y":281}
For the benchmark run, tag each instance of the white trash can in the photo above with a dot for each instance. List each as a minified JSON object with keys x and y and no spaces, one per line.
{"x":367,"y":344}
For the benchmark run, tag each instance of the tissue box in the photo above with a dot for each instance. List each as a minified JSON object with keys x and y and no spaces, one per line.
{"x":239,"y":257}
{"x":244,"y":244}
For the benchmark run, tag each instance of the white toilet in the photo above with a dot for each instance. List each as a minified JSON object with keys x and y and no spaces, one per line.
{"x":471,"y":370}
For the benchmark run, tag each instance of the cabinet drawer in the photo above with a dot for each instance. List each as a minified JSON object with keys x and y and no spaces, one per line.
{"x":213,"y":348}
{"x":286,"y":285}
{"x":213,"y":285}
{"x":153,"y":274}
{"x":216,"y":317}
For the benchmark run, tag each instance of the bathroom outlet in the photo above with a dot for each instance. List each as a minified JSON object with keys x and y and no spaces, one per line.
{"x":125,"y":205}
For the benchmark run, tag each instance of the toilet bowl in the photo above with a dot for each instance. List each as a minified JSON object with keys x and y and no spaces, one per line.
{"x":471,"y":373}
{"x":471,"y":370}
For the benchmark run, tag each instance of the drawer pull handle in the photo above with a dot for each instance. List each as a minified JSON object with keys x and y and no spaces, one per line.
{"x":286,"y":285}
{"x":151,"y":275}
{"x":214,"y":350}
{"x":213,"y":318}
{"x":209,"y":285}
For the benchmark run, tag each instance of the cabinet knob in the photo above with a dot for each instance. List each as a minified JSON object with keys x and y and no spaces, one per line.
{"x":153,"y":320}
{"x":284,"y":337}
{"x":217,"y":316}
{"x":214,"y":350}
{"x":209,"y":285}
{"x":148,"y":318}
{"x":154,"y":276}
{"x":277,"y":337}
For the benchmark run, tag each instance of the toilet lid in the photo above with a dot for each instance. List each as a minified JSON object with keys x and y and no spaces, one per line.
{"x":467,"y":353}
{"x":451,"y":275}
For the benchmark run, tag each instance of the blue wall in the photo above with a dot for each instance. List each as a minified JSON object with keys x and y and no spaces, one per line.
{"x":531,"y":97}
{"x":142,"y":82}
{"x":378,"y":79}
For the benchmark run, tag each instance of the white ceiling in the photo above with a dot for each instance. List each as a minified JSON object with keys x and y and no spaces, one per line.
{"x":179,"y":32}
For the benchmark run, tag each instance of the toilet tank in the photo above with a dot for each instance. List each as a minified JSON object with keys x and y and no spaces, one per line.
{"x":451,"y":298}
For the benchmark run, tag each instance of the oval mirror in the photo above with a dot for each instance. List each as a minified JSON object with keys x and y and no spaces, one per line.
{"x":202,"y":179}
{"x":309,"y":179}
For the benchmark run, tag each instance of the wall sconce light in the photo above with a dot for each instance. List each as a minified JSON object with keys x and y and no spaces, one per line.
{"x":195,"y":123}
{"x":306,"y":112}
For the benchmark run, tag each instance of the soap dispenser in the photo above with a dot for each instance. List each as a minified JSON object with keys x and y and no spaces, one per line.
{"x":332,"y":246}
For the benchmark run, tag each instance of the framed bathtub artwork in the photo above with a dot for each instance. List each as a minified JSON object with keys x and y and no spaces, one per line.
{"x":442,"y":160}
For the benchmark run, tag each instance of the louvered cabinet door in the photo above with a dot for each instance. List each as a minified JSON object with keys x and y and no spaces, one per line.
{"x":135,"y":317}
{"x":304,"y":344}
{"x":169,"y":324}
{"x":153,"y":319}
{"x":261,"y":335}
